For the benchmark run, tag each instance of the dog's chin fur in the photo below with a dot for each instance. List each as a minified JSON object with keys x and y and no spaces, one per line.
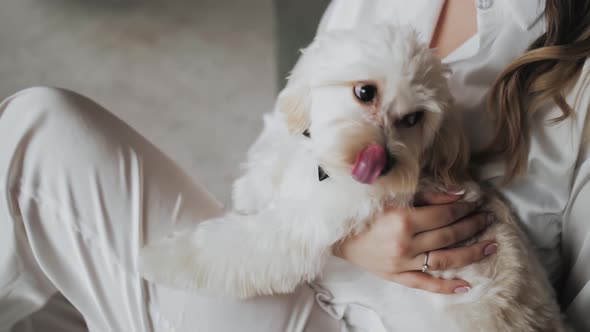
{"x":284,"y":221}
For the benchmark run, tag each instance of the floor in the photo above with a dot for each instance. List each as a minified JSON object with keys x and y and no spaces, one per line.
{"x":192,"y":76}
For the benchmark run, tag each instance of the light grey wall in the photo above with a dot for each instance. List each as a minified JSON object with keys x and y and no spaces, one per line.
{"x":296,"y":24}
{"x":193,"y":76}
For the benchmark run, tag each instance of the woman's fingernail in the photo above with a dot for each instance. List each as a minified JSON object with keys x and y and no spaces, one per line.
{"x":462,"y":290}
{"x":455,"y":190}
{"x":490,"y":218}
{"x":490,"y":249}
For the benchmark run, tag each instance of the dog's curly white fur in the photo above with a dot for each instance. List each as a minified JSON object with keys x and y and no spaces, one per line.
{"x":285,"y":220}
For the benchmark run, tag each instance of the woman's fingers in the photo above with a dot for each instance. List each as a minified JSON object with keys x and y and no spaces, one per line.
{"x":459,"y":231}
{"x":431,"y":217}
{"x":430,"y":283}
{"x":455,"y":258}
{"x":437,"y":198}
{"x":444,"y":260}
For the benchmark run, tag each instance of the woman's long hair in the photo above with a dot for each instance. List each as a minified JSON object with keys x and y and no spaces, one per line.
{"x":551,"y":65}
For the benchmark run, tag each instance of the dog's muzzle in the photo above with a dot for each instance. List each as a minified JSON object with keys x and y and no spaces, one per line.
{"x":391,"y":161}
{"x":387,"y":162}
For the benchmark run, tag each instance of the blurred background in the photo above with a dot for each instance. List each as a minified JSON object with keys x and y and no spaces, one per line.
{"x":193,"y":76}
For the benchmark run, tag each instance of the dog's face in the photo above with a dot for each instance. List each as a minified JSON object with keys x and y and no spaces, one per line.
{"x":376,"y":106}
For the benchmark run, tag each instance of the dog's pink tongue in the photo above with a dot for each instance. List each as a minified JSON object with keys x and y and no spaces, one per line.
{"x":369,"y":164}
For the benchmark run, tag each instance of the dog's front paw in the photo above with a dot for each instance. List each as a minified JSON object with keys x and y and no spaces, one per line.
{"x":185,"y":262}
{"x":173,"y":261}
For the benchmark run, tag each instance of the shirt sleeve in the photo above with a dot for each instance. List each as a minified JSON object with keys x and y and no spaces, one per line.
{"x":576,"y":253}
{"x":575,"y":242}
{"x":575,"y":295}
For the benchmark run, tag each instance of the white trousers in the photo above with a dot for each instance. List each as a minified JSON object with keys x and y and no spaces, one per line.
{"x":80,"y":193}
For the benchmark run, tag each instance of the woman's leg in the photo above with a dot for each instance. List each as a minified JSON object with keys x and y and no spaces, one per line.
{"x":80,"y":193}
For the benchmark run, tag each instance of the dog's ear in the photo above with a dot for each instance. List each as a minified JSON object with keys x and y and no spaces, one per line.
{"x":294,"y":103}
{"x":448,"y":157}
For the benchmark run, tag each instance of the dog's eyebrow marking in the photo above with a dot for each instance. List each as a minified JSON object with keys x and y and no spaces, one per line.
{"x":344,"y":83}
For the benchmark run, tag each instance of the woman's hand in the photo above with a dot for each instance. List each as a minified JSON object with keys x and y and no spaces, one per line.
{"x":394,"y":246}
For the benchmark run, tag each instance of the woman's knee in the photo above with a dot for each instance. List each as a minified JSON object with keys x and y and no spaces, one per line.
{"x":50,"y":103}
{"x":59,"y":119}
{"x":39,"y":99}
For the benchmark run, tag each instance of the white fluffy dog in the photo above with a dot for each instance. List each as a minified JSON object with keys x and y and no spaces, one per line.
{"x":365,"y":121}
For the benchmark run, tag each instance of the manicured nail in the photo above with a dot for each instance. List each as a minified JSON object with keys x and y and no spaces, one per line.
{"x":490,"y":218}
{"x":455,"y":190}
{"x":462,"y":290}
{"x":490,"y":249}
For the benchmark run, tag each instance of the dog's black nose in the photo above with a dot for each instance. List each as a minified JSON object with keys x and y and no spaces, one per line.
{"x":391,"y":161}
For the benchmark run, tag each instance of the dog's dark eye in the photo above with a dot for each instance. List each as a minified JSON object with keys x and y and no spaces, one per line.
{"x":365,"y":93}
{"x":410,"y":120}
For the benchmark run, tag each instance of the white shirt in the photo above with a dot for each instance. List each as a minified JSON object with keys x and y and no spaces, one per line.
{"x":550,"y":198}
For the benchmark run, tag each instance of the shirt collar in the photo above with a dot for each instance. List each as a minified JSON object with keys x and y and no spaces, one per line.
{"x":422,"y":15}
{"x":526,"y":12}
